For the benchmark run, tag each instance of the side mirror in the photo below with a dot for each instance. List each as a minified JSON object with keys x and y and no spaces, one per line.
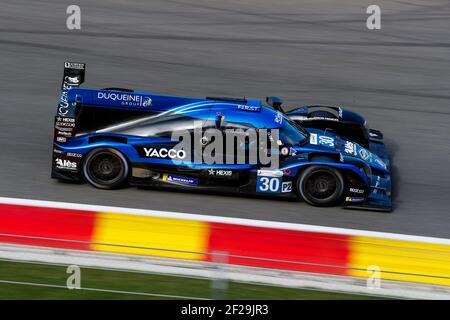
{"x":274,"y":102}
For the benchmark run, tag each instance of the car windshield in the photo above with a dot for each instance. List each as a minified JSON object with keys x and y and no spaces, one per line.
{"x":292,"y":134}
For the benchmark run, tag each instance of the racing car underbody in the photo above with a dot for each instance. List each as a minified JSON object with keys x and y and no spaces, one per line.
{"x":114,"y":137}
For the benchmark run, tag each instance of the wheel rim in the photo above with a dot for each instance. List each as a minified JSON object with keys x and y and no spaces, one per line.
{"x":105,"y":168}
{"x":322,"y":185}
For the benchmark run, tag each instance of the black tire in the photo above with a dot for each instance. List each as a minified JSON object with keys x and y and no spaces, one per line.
{"x":106,"y":168}
{"x":321,"y":186}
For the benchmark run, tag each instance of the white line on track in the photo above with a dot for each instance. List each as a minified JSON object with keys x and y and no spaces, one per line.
{"x":219,"y":219}
{"x":100,"y":290}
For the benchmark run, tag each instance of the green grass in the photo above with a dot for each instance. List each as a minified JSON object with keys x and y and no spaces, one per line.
{"x":133,"y":282}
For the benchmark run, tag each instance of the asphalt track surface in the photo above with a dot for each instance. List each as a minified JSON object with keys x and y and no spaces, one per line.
{"x":307,"y":52}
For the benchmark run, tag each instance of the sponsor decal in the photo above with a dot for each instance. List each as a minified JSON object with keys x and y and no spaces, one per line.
{"x":268,"y":184}
{"x":320,"y":118}
{"x":354,"y":190}
{"x":323,"y":140}
{"x":69,"y":82}
{"x":248,"y":108}
{"x":220,"y":172}
{"x":364,"y":154}
{"x":74,"y":155}
{"x":354,"y":199}
{"x":63,"y":133}
{"x":65,"y":164}
{"x":65,"y":122}
{"x":65,"y":129}
{"x":303,"y":118}
{"x":74,"y":65}
{"x":271,"y":181}
{"x":278,"y":117}
{"x":323,"y":118}
{"x":285,"y":151}
{"x":326,"y":141}
{"x":63,"y":108}
{"x":126,"y":99}
{"x":313,"y":138}
{"x":350,"y":147}
{"x":179,"y":179}
{"x":286,"y":187}
{"x":73,"y":80}
{"x":164,"y":153}
{"x":270,"y":173}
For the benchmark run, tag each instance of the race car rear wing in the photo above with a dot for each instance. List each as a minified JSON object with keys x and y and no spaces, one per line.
{"x":65,"y":116}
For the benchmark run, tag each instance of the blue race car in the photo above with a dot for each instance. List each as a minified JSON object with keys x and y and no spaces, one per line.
{"x":114,"y":137}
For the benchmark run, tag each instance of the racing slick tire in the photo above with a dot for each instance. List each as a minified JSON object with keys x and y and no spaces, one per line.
{"x":106,"y":168}
{"x":321,"y":185}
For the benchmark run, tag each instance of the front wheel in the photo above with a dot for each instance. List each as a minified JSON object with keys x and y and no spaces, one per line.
{"x":106,"y":168}
{"x":321,"y":185}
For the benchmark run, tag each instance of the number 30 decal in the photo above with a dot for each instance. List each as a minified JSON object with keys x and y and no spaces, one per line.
{"x":268,"y":184}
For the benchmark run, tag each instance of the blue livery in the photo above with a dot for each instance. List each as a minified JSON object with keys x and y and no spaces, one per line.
{"x":114,"y":137}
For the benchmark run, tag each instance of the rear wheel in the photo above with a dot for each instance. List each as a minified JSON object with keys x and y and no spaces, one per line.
{"x":106,"y":168}
{"x":321,"y":185}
